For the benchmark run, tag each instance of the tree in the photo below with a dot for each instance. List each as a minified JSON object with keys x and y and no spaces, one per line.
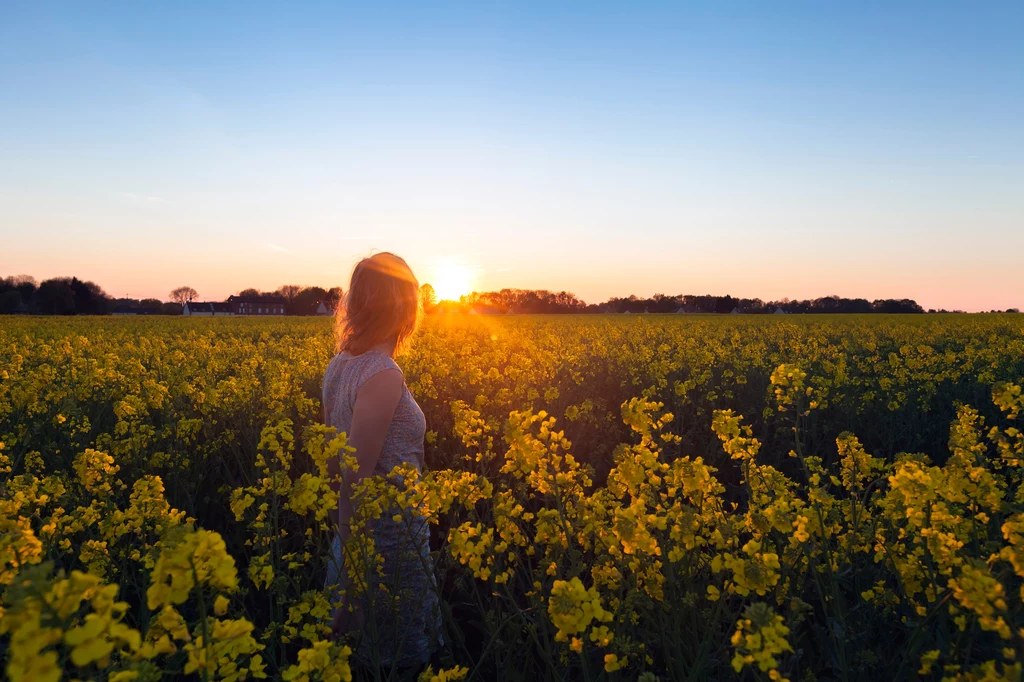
{"x":183,"y":295}
{"x":660,"y":303}
{"x":90,"y":299}
{"x":17,"y":293}
{"x":10,"y":301}
{"x":56,"y":297}
{"x":289,"y":291}
{"x":428,"y":298}
{"x":307,"y":301}
{"x":890,"y":305}
{"x":334,"y":298}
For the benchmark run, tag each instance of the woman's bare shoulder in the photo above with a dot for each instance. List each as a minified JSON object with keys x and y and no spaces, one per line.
{"x":385,"y":386}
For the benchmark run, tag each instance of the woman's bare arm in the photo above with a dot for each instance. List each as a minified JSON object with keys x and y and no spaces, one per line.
{"x":372,"y":413}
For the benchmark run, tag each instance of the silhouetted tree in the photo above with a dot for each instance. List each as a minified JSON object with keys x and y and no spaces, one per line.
{"x":17,"y":294}
{"x":891,"y":305}
{"x":289,"y":291}
{"x":519,"y":301}
{"x":660,"y":303}
{"x":428,"y":298}
{"x":10,"y":301}
{"x":725,"y":304}
{"x":307,"y":301}
{"x":90,"y":299}
{"x":183,"y":295}
{"x":56,"y":297}
{"x":334,"y":297}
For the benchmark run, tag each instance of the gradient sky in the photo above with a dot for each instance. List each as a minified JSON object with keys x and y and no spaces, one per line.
{"x":767,"y":149}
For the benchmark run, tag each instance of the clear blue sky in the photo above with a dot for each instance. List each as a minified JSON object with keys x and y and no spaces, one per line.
{"x":764,"y":149}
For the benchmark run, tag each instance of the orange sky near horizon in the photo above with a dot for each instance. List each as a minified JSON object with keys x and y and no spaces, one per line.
{"x":217,"y":269}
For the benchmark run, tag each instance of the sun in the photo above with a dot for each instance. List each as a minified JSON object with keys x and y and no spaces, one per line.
{"x":451,"y":281}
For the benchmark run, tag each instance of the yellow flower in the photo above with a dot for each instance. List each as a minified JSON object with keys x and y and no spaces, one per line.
{"x":324,"y":661}
{"x":759,"y":638}
{"x":613,"y":663}
{"x":198,"y":555}
{"x":449,"y":675}
{"x":573,"y":607}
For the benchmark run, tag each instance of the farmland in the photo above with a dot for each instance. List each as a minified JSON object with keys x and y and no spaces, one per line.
{"x":610,"y":497}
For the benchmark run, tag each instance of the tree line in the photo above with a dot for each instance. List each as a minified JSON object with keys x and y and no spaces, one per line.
{"x":541,"y":302}
{"x":74,"y":296}
{"x":58,"y":296}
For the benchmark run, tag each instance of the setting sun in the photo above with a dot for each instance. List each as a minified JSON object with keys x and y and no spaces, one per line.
{"x":452,"y":281}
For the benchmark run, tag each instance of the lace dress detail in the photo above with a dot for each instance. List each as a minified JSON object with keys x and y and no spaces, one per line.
{"x":402,"y":620}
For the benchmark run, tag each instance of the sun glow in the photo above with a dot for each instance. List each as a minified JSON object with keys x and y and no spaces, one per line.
{"x":451,"y":281}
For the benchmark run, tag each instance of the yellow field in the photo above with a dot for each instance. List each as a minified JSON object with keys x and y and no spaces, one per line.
{"x":613,"y":497}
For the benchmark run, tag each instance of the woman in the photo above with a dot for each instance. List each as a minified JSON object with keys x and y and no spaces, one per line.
{"x":365,"y":396}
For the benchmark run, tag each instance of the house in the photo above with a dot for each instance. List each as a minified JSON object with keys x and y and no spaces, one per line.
{"x":687,"y":309}
{"x":780,"y":311}
{"x":207,"y":309}
{"x":736,"y":311}
{"x":321,"y":309}
{"x":251,"y":305}
{"x":236,"y":305}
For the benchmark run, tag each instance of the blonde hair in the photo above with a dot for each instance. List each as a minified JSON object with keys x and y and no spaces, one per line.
{"x":382,"y":302}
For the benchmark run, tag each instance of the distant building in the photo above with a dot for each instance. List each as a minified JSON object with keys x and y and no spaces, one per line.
{"x":736,"y":311}
{"x":687,"y":309}
{"x":780,"y":311}
{"x":269,"y":305}
{"x":207,"y":309}
{"x":321,"y":309}
{"x":236,"y":305}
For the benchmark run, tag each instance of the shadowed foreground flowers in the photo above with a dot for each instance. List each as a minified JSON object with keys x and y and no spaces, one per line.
{"x":828,"y":562}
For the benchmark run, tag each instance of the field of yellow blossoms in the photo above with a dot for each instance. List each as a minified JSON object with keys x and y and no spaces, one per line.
{"x":611,"y":498}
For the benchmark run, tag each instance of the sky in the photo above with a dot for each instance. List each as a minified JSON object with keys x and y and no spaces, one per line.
{"x":783,"y":149}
